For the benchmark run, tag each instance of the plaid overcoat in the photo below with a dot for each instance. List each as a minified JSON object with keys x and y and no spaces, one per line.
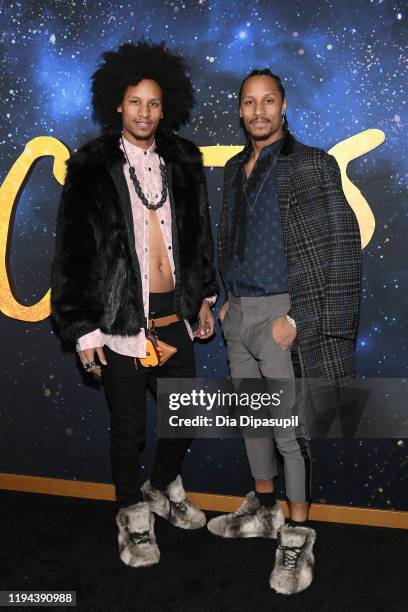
{"x":322,"y":251}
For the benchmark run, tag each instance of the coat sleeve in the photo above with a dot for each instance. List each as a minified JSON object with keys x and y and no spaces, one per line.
{"x":342,"y":295}
{"x":76,"y":300}
{"x":210,"y":285}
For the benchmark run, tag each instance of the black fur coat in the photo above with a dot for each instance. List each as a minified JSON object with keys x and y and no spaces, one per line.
{"x":96,"y":279}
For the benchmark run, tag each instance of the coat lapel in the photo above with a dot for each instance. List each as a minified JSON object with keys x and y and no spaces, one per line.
{"x":174,"y":218}
{"x":116,"y":172}
{"x":284,"y":167}
{"x":283,"y":176}
{"x":224,"y":234}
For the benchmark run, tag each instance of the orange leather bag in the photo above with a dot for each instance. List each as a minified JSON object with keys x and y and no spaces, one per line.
{"x":157,"y":351}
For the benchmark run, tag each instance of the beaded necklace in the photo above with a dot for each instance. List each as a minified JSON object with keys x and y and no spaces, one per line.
{"x":138,"y":188}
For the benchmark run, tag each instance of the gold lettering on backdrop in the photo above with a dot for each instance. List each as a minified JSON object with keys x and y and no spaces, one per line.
{"x":9,"y":191}
{"x":344,"y":152}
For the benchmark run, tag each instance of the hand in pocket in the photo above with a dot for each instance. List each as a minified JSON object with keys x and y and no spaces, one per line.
{"x":223,"y":311}
{"x":283,"y":333}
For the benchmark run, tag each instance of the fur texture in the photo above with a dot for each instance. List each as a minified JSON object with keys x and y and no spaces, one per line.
{"x":137,"y":542}
{"x":96,"y":278}
{"x":173,"y":505}
{"x":251,"y":520}
{"x":293,"y":570}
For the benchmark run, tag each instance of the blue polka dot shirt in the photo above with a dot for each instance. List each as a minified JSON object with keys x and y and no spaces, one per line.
{"x":258,"y":256}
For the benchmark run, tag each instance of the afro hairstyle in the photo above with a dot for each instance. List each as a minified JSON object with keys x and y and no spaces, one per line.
{"x":129,"y":65}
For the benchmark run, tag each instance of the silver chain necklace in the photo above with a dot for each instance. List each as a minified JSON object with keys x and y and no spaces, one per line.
{"x":252,"y":208}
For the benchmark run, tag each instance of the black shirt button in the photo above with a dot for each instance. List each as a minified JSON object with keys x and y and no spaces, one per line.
{"x":162,"y":221}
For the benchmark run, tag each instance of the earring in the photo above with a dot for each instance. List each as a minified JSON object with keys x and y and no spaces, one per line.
{"x":161,"y":116}
{"x":283,"y":118}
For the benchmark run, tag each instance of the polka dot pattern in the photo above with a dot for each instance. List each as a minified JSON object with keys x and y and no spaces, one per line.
{"x":261,"y":270}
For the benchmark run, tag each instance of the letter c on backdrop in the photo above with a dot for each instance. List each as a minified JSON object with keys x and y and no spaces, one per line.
{"x":10,"y":190}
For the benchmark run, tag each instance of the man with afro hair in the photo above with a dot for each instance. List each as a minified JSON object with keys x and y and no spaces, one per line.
{"x":133,"y":265}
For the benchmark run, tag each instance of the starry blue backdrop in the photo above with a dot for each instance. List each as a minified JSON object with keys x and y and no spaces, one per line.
{"x":344,"y":68}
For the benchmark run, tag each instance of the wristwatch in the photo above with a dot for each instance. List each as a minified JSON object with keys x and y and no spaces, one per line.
{"x":291,"y":321}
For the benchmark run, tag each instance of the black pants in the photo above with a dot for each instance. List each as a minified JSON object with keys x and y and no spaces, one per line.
{"x":125,"y":387}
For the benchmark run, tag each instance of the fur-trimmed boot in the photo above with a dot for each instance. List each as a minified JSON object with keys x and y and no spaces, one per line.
{"x":173,"y":505}
{"x":294,"y":562}
{"x":251,"y":520}
{"x":137,"y":542}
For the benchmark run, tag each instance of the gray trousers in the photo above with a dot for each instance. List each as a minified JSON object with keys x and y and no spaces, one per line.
{"x":253,"y":353}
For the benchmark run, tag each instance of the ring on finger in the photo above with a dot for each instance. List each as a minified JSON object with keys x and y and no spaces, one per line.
{"x":88,"y":364}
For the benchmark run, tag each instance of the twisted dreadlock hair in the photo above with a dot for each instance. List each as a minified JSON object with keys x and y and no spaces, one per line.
{"x":129,"y":65}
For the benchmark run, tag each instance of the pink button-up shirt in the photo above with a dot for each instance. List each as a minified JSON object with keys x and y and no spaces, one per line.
{"x":147,"y":167}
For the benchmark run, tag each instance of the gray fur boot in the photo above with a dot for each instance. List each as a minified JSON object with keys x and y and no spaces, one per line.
{"x":137,"y":542}
{"x":251,"y":520}
{"x":294,"y":562}
{"x":173,"y":505}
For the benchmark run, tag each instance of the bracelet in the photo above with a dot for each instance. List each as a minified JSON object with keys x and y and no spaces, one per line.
{"x":211,"y":300}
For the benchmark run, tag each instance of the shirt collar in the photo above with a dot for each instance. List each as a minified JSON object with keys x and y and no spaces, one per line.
{"x":135,"y":151}
{"x":271,"y":150}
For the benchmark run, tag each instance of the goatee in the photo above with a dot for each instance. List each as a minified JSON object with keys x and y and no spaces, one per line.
{"x":260,"y":137}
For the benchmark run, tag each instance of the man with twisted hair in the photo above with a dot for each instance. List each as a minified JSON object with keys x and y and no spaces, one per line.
{"x":133,"y":265}
{"x":289,"y":251}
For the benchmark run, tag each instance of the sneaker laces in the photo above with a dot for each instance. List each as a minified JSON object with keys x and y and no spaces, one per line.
{"x":139,"y":537}
{"x":291,"y":555}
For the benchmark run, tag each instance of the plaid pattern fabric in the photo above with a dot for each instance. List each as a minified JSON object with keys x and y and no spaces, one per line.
{"x":323,"y":255}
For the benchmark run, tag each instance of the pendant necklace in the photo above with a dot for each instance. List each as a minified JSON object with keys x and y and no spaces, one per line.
{"x":138,"y":188}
